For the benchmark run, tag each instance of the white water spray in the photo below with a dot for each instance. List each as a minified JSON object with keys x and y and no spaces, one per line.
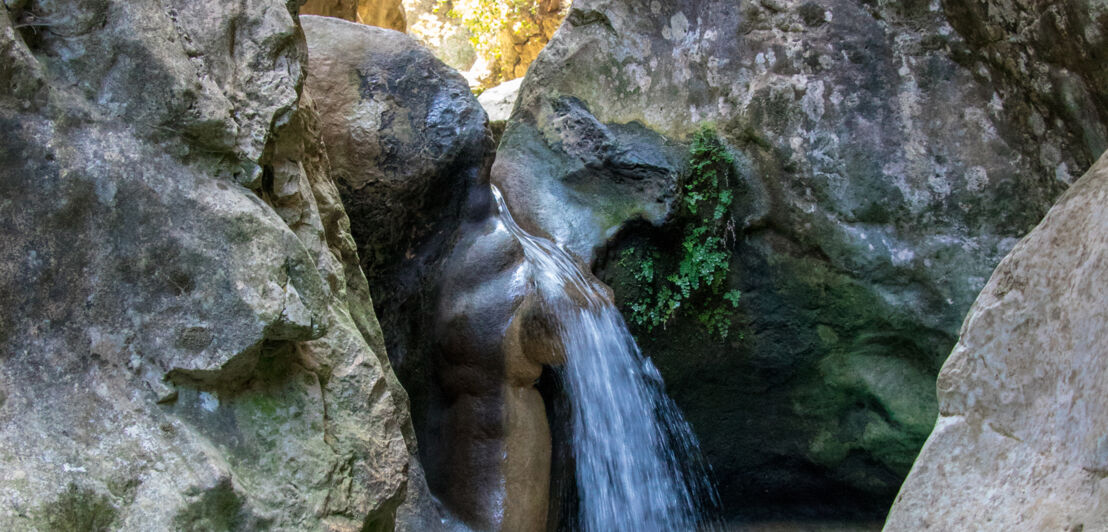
{"x":638,"y":464}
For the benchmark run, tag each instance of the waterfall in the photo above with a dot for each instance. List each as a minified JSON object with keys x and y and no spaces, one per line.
{"x":638,"y":464}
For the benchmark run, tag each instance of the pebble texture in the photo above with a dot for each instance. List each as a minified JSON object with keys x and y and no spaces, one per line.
{"x":889,"y":155}
{"x":188,"y":342}
{"x":1022,"y":439}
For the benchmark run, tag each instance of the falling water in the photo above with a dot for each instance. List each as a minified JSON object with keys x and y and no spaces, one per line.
{"x":638,"y":464}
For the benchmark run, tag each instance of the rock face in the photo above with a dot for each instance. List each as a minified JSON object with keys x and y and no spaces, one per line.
{"x":187,"y":340}
{"x":382,"y":13}
{"x":887,"y":155}
{"x":498,"y":101}
{"x":1048,"y":54}
{"x":1022,"y":440}
{"x":407,"y":140}
{"x":487,"y":441}
{"x":411,"y":151}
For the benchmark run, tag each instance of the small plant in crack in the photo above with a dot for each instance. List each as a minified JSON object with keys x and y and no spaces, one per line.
{"x":697,"y":283}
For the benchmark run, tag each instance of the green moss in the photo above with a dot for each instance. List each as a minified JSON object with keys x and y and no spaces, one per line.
{"x":695,"y":282}
{"x":219,"y":508}
{"x":827,"y":449}
{"x":874,"y":391}
{"x":79,"y":510}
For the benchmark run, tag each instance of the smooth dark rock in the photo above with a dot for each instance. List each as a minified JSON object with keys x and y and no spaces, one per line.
{"x":411,"y":151}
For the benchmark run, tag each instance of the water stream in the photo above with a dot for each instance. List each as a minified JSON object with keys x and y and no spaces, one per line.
{"x":638,"y":464}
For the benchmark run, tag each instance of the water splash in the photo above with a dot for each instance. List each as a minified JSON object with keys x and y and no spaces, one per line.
{"x":638,"y":464}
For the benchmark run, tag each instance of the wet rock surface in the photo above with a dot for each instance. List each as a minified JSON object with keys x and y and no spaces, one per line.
{"x":888,"y":156}
{"x":411,"y":152}
{"x":188,"y":341}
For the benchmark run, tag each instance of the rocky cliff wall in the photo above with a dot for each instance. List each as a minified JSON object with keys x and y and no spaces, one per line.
{"x":885,"y":156}
{"x":187,"y":339}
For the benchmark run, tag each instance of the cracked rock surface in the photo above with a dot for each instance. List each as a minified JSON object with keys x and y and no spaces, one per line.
{"x":187,"y":340}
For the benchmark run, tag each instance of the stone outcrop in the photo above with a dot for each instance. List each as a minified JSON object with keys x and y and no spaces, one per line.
{"x":407,"y":140}
{"x":1022,"y":440}
{"x":382,"y":13}
{"x":498,"y":102}
{"x":1044,"y":59}
{"x":887,"y":156}
{"x":411,"y":151}
{"x":187,"y":340}
{"x":488,"y":443}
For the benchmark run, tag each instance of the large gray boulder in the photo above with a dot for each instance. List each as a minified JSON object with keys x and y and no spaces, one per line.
{"x":187,"y":341}
{"x":406,"y":138}
{"x":1022,"y":438}
{"x":886,"y":157}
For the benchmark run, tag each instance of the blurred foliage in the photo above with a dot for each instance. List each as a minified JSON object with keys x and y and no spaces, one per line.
{"x":486,"y":20}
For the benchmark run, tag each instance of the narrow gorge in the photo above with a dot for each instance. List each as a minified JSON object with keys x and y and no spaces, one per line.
{"x":533,"y":265}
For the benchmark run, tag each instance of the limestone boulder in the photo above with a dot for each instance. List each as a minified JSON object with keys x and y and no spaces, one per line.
{"x":404,"y":135}
{"x":187,"y":341}
{"x":498,"y":102}
{"x":1021,"y":441}
{"x":886,"y":155}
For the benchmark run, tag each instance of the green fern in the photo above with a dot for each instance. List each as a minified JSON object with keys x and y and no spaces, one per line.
{"x":700,"y":275}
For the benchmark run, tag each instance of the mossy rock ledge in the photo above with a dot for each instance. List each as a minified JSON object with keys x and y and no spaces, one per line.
{"x":884,"y":165}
